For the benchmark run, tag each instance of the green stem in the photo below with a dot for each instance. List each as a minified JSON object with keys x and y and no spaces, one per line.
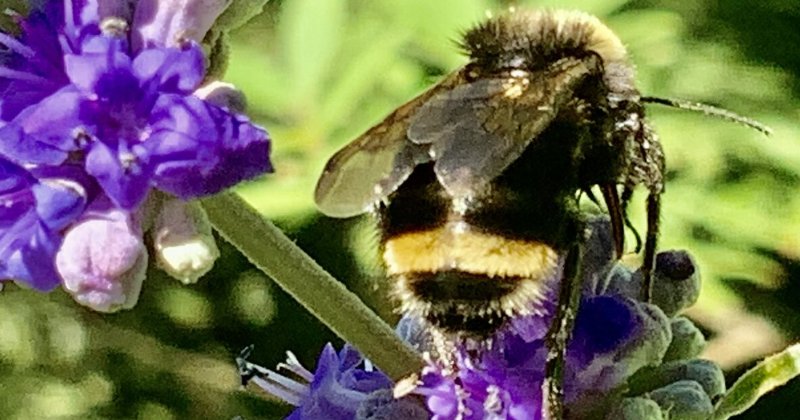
{"x":269,"y":249}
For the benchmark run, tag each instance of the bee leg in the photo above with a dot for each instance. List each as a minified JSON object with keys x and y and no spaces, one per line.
{"x":627,"y":194}
{"x":559,"y":334}
{"x":653,"y":216}
{"x":611,"y":197}
{"x":445,"y":349}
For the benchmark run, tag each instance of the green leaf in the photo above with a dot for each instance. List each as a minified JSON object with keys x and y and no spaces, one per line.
{"x":773,"y":372}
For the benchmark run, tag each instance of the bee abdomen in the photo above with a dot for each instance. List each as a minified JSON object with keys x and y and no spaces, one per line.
{"x":463,"y":280}
{"x":461,"y":302}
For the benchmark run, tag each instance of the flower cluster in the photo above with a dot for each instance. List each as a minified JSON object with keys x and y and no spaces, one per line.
{"x":107,"y":126}
{"x":626,"y":359}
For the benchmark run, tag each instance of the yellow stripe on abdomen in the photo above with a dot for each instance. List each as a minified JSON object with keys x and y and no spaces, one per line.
{"x":456,"y":248}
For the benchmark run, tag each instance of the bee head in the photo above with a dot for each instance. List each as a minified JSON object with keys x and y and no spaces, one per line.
{"x":532,"y":40}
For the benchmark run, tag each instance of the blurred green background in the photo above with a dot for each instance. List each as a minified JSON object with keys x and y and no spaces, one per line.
{"x":319,"y":72}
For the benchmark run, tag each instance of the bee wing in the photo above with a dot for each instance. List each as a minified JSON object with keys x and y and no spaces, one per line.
{"x":476,"y":130}
{"x":374,"y":165}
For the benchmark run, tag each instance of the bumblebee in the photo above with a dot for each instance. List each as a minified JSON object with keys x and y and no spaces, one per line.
{"x":476,"y":181}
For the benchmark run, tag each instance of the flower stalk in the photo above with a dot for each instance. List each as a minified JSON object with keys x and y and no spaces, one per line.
{"x":269,"y":249}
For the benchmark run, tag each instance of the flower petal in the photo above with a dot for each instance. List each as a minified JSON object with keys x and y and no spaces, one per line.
{"x":59,"y":202}
{"x":230,"y":149}
{"x":27,"y":245}
{"x":44,"y":133}
{"x":172,"y":70}
{"x":125,"y":176}
{"x":165,"y":22}
{"x":106,"y":74}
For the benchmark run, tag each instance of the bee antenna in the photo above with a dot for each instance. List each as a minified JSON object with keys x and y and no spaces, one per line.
{"x":709,"y":110}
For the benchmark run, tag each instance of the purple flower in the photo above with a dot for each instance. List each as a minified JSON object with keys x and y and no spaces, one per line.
{"x":613,"y":337}
{"x":32,"y":68}
{"x":341,"y":384}
{"x":137,"y":124}
{"x":79,"y":92}
{"x":32,"y":212}
{"x":90,"y":119}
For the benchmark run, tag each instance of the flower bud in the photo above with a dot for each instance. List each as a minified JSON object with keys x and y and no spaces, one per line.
{"x":704,"y":372}
{"x":183,"y":242}
{"x":687,"y":340}
{"x":676,"y":282}
{"x":619,"y":336}
{"x":636,"y":409}
{"x":621,"y":281}
{"x":222,"y":94}
{"x":684,"y":400}
{"x":102,"y":261}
